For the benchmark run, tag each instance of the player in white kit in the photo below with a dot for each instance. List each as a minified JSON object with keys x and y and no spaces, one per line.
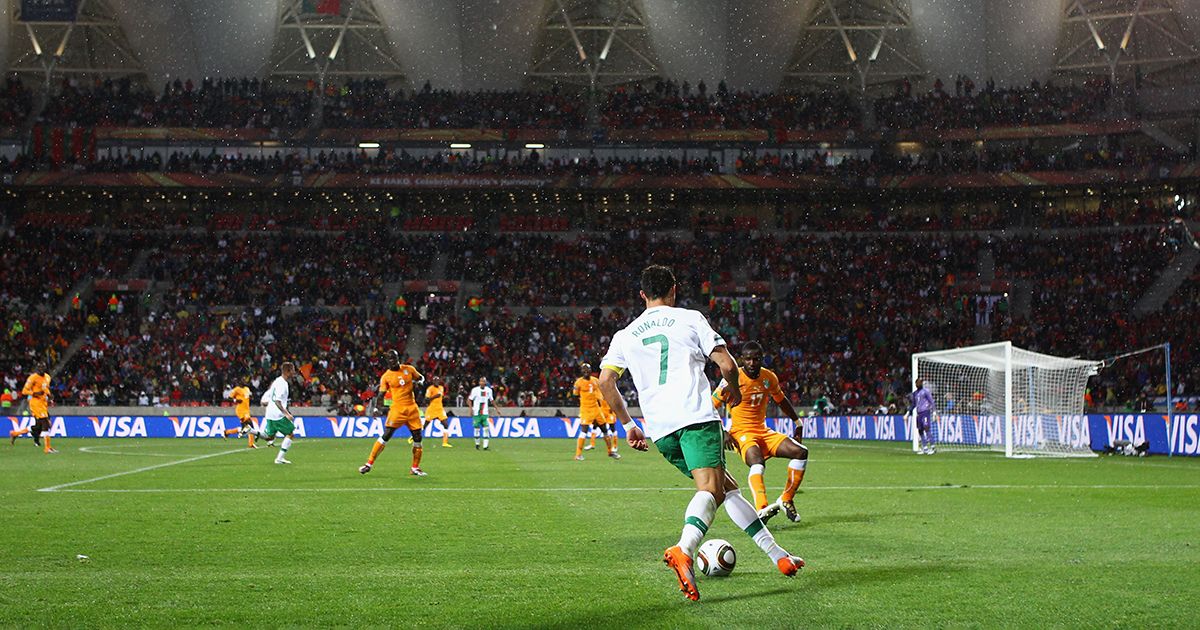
{"x":481,"y":400}
{"x":277,"y":418}
{"x":665,"y":350}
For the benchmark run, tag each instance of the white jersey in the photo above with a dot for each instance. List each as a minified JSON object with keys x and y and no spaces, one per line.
{"x":665,"y":350}
{"x":481,"y":398}
{"x":278,"y":391}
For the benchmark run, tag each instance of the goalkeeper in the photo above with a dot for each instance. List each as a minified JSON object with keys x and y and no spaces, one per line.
{"x":922,"y":406}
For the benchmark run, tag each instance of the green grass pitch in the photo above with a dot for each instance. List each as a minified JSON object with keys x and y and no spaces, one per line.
{"x":523,"y":536}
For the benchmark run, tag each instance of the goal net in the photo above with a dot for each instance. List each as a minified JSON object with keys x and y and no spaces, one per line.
{"x":1002,"y":398}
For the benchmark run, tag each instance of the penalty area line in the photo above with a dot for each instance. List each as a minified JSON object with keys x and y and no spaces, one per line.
{"x":611,"y":489}
{"x":60,"y":487}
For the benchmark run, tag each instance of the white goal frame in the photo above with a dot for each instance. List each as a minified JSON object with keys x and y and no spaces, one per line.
{"x":993,"y":360}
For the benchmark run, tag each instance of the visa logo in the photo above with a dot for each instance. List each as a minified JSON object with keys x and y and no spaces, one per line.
{"x":119,"y":426}
{"x":856,"y":428}
{"x":515,"y":427}
{"x":1126,"y":427}
{"x":199,"y":426}
{"x":1185,"y":435}
{"x":357,"y":426}
{"x":885,"y":428}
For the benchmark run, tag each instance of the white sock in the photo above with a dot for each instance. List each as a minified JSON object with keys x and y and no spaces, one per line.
{"x":283,"y":447}
{"x":744,"y":516}
{"x":696,"y":519}
{"x":476,"y":437}
{"x":757,"y":469}
{"x":487,"y":433}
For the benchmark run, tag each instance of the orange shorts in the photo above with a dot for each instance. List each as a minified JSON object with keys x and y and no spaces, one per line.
{"x":589,"y":418}
{"x":766,"y":440}
{"x":409,"y":417}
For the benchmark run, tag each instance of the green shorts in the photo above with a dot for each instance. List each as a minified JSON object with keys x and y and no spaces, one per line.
{"x":480,"y":421}
{"x":694,"y":446}
{"x":282,"y":426}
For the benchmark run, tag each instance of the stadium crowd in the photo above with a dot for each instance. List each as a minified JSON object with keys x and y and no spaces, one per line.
{"x":859,"y":306}
{"x":58,"y":259}
{"x":943,"y":161}
{"x":1036,"y":104}
{"x":853,"y":305}
{"x":16,"y":101}
{"x":1083,"y":291}
{"x":667,"y":104}
{"x":370,"y":104}
{"x":195,"y":357}
{"x":284,"y":268}
{"x":1078,"y":283}
{"x":584,"y":271}
{"x":672,"y":105}
{"x":230,"y":103}
{"x":381,"y":163}
{"x":857,"y":166}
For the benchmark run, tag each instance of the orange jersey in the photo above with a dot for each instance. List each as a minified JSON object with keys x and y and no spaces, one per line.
{"x":435,"y":404}
{"x":751,"y":413}
{"x":398,"y":385}
{"x":37,"y":388}
{"x":588,"y":391}
{"x":606,"y":412}
{"x":241,"y":396}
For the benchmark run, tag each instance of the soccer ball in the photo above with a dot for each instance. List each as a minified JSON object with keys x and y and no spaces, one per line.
{"x":716,"y":558}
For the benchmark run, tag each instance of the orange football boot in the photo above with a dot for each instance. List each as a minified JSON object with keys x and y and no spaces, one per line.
{"x":790,"y":565}
{"x":681,"y":563}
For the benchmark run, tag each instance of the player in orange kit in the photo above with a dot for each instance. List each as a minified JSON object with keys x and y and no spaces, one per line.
{"x":434,"y":396}
{"x":241,"y":396}
{"x":756,"y":443}
{"x":397,"y":383}
{"x":608,"y":427}
{"x":587,"y":388}
{"x":37,"y":392}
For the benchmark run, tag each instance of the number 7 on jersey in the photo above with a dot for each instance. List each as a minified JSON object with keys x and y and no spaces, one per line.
{"x":663,"y":348}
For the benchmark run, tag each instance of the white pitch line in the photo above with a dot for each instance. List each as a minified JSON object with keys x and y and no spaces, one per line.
{"x":609,"y":489}
{"x":96,"y":450}
{"x":1182,"y":462}
{"x":143,"y":469}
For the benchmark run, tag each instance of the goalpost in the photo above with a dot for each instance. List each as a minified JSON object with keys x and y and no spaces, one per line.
{"x":1001,"y":398}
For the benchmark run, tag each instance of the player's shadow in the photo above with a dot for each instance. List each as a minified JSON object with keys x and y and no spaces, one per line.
{"x":804,"y":586}
{"x":642,"y":615}
{"x":858,"y":576}
{"x":741,"y":597}
{"x":838,"y":519}
{"x":799,"y":590}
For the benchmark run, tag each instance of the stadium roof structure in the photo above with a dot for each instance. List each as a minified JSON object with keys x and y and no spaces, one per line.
{"x":593,"y":43}
{"x":331,"y":42}
{"x":1145,"y":39}
{"x":491,"y":44}
{"x":85,"y":38}
{"x":857,"y":44}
